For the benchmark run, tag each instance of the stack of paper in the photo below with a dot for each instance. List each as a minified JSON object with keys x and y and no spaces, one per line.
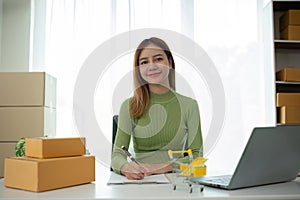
{"x":154,"y":179}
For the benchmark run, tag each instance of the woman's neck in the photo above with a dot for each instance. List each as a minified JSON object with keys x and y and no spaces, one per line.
{"x":158,"y":89}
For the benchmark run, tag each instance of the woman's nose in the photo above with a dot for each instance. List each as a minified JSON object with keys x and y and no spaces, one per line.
{"x":152,"y":66}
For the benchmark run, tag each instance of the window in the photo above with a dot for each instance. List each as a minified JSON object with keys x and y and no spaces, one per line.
{"x":226,"y":30}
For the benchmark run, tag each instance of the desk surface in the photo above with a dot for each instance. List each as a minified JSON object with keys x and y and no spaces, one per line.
{"x":100,"y":190}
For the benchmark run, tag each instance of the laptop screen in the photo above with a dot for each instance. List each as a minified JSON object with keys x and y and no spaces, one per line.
{"x":271,"y":155}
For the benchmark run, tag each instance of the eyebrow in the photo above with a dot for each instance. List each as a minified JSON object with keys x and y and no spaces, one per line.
{"x":145,"y":58}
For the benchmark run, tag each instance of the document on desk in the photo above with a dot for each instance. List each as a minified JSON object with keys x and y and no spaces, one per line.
{"x":116,"y":179}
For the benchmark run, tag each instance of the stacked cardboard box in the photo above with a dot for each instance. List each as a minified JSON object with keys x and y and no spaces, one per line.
{"x":50,"y":163}
{"x":7,"y":149}
{"x":289,"y":74}
{"x":27,"y":108}
{"x":288,"y":104}
{"x":290,"y":25}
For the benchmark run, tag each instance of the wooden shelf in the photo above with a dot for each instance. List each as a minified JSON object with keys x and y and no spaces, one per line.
{"x":283,"y":86}
{"x":287,"y":44}
{"x":282,"y":5}
{"x":287,"y":83}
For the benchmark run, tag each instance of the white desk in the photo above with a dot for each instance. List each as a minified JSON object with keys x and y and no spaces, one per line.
{"x":100,"y":190}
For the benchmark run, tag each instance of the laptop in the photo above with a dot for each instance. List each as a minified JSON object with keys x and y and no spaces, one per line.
{"x":272,"y":155}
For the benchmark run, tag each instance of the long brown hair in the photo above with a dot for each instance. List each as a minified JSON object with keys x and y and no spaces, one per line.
{"x":141,"y":96}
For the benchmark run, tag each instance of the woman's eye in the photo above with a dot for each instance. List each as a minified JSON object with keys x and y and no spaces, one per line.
{"x":143,"y":63}
{"x":158,"y":59}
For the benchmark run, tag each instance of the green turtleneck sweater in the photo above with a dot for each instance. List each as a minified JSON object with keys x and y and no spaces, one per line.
{"x":171,"y":122}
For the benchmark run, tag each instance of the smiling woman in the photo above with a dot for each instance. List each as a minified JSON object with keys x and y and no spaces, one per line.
{"x":156,"y":118}
{"x":154,"y":68}
{"x":152,"y":63}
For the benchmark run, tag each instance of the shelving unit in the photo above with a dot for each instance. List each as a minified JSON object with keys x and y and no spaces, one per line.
{"x":286,"y":52}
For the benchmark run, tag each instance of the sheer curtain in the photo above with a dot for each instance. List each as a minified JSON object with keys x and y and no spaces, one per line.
{"x":229,"y":31}
{"x":226,"y":30}
{"x":74,"y":28}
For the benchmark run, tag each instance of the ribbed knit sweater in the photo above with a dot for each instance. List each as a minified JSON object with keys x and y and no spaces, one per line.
{"x":170,"y":122}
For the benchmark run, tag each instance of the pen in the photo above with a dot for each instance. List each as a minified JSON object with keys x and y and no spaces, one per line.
{"x":129,"y":155}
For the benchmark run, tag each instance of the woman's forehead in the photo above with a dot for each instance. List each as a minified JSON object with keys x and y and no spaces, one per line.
{"x":151,"y":50}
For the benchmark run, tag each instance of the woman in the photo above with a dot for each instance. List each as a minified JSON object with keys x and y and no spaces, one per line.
{"x":156,"y":118}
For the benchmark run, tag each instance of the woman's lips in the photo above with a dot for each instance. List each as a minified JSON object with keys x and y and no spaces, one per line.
{"x":154,"y":74}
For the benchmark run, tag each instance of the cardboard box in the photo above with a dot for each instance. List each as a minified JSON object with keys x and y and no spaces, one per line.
{"x":288,"y":74}
{"x":54,"y":147}
{"x":7,"y":149}
{"x":290,"y":17}
{"x":18,"y":122}
{"x":291,"y":32}
{"x":289,"y":115}
{"x":288,"y":99}
{"x":27,"y":89}
{"x":39,"y":175}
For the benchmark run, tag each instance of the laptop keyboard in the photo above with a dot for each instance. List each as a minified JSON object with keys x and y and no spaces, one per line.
{"x":223,"y":180}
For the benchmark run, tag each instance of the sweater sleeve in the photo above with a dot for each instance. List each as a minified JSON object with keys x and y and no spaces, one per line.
{"x":195,"y":142}
{"x":195,"y":135}
{"x":122,"y":138}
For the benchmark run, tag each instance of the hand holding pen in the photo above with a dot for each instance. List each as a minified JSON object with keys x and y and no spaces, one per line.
{"x":129,"y":155}
{"x":132,"y":170}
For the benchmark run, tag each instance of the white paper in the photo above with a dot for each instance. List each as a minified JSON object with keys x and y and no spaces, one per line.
{"x":154,"y":179}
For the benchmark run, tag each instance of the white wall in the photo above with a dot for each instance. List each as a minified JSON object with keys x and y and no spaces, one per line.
{"x":1,"y":2}
{"x":15,"y":40}
{"x":38,"y":34}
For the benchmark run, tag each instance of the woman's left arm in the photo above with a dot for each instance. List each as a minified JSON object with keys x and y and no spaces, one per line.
{"x":195,"y":142}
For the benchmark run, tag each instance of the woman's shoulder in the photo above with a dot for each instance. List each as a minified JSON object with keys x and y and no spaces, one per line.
{"x":127,"y":101}
{"x":125,"y":104}
{"x":185,"y":99}
{"x":187,"y":103}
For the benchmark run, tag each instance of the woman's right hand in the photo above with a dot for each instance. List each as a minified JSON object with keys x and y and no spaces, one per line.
{"x":133,"y":171}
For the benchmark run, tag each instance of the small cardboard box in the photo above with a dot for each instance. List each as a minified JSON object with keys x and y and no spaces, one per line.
{"x":288,"y":99}
{"x":290,"y":17}
{"x":288,"y":74}
{"x":27,"y":89}
{"x":54,"y":147}
{"x":39,"y":175}
{"x":18,"y":122}
{"x":289,"y":115}
{"x":291,"y":32}
{"x":7,"y":149}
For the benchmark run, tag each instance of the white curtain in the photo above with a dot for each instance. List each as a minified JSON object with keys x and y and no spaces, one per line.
{"x":74,"y":28}
{"x":227,"y":30}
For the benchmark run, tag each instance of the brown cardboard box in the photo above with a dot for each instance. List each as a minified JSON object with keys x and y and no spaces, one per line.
{"x":54,"y":147}
{"x":38,"y":175}
{"x":288,"y":74}
{"x":291,"y":32}
{"x":289,"y":115}
{"x":7,"y":149}
{"x":27,"y":89}
{"x":288,"y":99}
{"x":17,"y":122}
{"x":290,"y":17}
